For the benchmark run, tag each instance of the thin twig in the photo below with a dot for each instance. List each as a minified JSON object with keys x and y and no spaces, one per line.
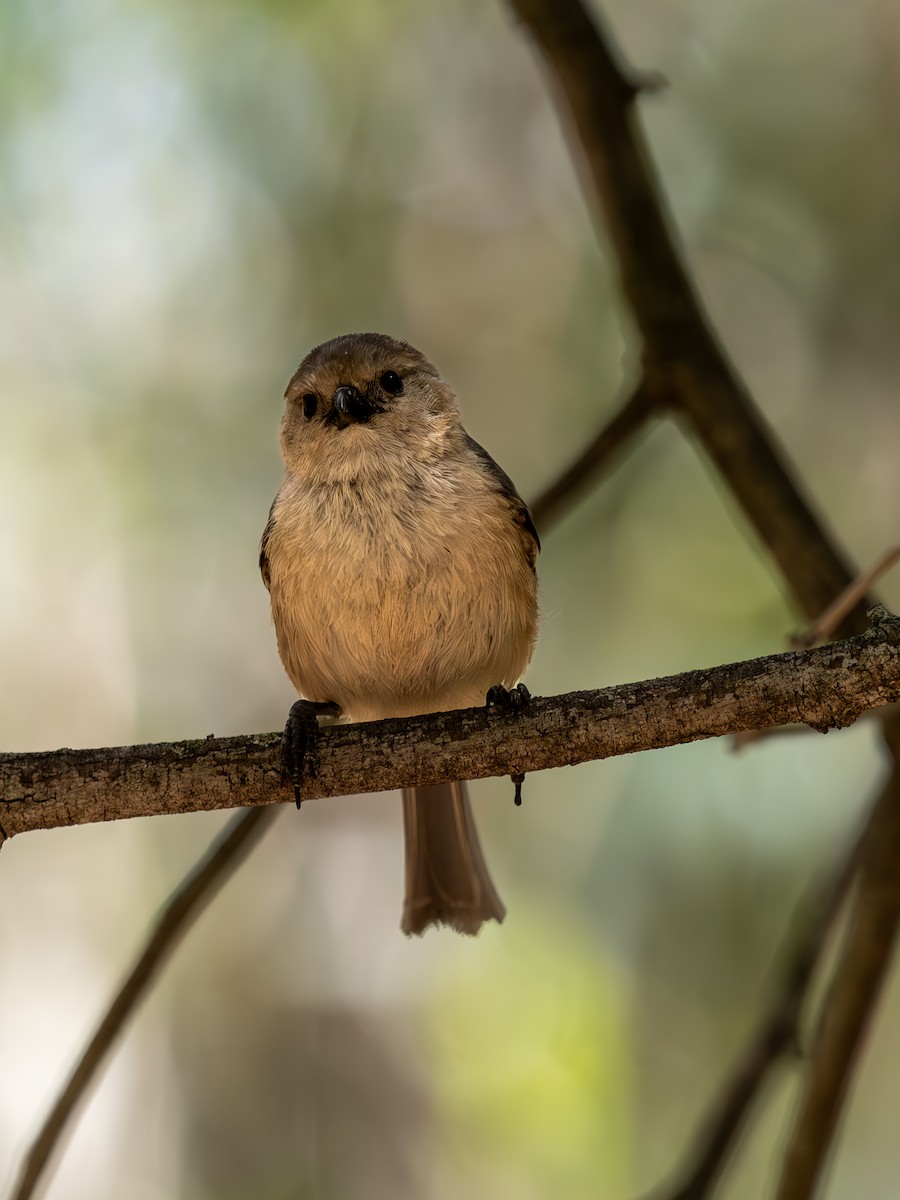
{"x":182,"y":908}
{"x":835,"y":614}
{"x":822,"y":629}
{"x":778,"y":1035}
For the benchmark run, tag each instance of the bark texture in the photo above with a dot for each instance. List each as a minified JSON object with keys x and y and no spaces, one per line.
{"x":825,"y":688}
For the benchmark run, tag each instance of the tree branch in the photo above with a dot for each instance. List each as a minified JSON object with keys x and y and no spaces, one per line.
{"x":826,"y":687}
{"x":682,"y":355}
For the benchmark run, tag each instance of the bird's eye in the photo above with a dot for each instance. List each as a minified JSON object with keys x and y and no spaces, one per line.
{"x":392,"y":383}
{"x":310,"y":404}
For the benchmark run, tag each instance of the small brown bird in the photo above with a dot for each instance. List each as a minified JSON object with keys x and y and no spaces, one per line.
{"x":400,"y":560}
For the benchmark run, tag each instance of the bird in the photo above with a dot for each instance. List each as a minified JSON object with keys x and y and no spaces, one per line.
{"x":400,"y":563}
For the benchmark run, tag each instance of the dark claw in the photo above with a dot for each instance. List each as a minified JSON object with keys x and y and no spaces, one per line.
{"x":298,"y":743}
{"x":508,"y":700}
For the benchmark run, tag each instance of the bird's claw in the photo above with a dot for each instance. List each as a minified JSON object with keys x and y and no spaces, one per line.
{"x":518,"y":780}
{"x":510,"y":700}
{"x":299,"y":749}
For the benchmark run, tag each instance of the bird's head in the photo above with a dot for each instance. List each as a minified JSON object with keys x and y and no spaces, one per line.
{"x":361,"y":396}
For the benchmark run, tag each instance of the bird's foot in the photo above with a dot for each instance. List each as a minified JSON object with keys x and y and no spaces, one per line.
{"x":510,"y":700}
{"x":299,"y":742}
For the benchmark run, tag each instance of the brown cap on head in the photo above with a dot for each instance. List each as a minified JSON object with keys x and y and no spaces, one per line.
{"x":356,"y":358}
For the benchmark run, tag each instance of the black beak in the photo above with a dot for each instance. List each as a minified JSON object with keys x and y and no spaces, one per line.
{"x":350,"y":407}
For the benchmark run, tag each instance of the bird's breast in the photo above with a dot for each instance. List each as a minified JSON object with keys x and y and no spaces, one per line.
{"x":394,"y":597}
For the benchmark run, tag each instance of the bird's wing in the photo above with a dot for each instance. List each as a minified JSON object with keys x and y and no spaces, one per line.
{"x":264,"y":545}
{"x":519,"y":509}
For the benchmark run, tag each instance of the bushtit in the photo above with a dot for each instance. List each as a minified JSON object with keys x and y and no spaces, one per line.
{"x":400,"y":562}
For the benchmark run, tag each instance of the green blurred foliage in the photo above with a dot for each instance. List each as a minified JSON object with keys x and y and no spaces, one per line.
{"x":532,"y":1080}
{"x":190,"y":197}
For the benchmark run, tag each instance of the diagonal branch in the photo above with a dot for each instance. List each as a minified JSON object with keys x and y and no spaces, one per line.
{"x":680,"y":349}
{"x":611,"y":441}
{"x":826,"y":687}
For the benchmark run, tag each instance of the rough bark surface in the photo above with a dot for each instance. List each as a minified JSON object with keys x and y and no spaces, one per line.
{"x":826,"y":688}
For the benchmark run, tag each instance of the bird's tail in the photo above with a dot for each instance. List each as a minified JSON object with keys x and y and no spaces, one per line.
{"x":447,"y":881}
